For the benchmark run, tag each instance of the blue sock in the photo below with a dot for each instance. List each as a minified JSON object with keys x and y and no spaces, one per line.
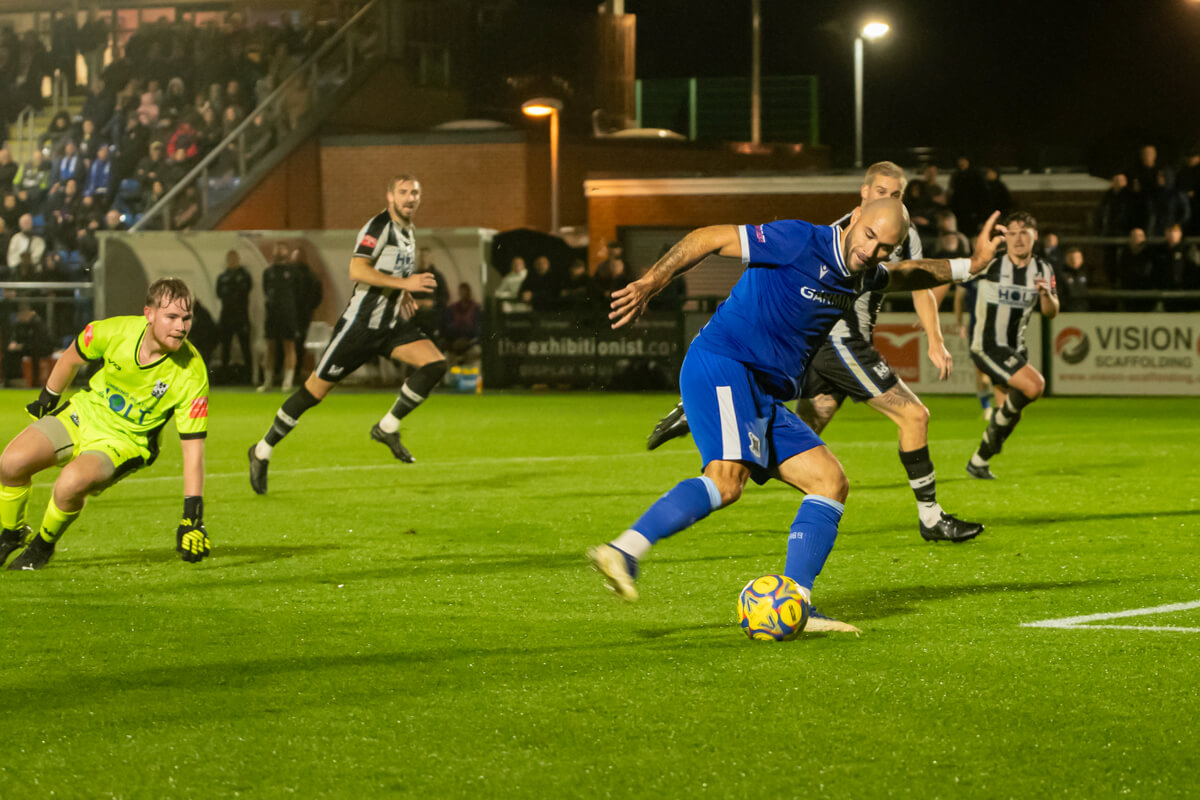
{"x":985,"y":399}
{"x":812,"y":535}
{"x":688,"y":503}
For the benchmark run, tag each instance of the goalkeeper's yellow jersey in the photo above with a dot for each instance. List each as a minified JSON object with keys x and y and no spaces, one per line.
{"x":139,"y":399}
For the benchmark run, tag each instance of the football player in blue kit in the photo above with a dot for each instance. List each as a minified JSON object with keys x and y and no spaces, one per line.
{"x":741,"y":368}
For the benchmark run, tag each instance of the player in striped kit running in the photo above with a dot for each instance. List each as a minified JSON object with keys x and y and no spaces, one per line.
{"x":378,"y":321}
{"x":1011,"y":286}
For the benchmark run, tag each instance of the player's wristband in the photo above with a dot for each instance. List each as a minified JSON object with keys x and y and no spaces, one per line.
{"x":960,"y":269}
{"x":48,"y":397}
{"x":193,"y":509}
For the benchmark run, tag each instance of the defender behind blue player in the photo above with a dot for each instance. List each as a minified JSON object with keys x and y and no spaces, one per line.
{"x":742,"y":368}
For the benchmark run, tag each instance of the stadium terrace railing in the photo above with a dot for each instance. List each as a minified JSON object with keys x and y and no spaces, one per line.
{"x":358,"y":41}
{"x":48,"y":295}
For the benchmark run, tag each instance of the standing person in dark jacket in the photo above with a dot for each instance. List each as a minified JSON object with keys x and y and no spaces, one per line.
{"x":233,"y":289}
{"x":308,"y":298}
{"x":282,"y":285}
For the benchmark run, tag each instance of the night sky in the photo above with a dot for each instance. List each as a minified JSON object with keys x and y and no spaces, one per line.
{"x":1012,"y":83}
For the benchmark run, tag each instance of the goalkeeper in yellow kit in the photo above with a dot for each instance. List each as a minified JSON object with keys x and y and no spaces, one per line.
{"x":150,"y":374}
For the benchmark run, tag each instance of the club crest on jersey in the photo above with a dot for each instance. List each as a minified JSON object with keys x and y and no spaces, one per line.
{"x":159,"y":389}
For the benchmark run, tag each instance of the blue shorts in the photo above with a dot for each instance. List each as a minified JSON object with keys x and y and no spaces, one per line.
{"x":734,"y":419}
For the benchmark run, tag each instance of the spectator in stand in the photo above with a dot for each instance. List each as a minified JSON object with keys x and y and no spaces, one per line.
{"x":462,"y":328}
{"x":64,"y":33}
{"x":576,"y":293}
{"x":32,"y":69}
{"x":69,"y":167}
{"x":1175,"y":267}
{"x":148,"y":110}
{"x":11,"y":209}
{"x":184,"y":137}
{"x":8,"y":171}
{"x":25,"y":242}
{"x":58,"y":131}
{"x":132,"y":146}
{"x":1189,"y":185}
{"x":93,"y":40}
{"x":1154,"y":191}
{"x":5,"y":237}
{"x":62,"y":218}
{"x":1072,"y":281}
{"x":610,"y":276}
{"x":177,"y":167}
{"x":998,"y":196}
{"x":153,"y":167}
{"x":1135,"y":269}
{"x":946,"y":225}
{"x":1051,"y":249}
{"x":34,"y":178}
{"x":99,"y":182}
{"x":1117,"y":210}
{"x":208,"y":130}
{"x":89,"y":140}
{"x":100,"y":103}
{"x":968,"y":196}
{"x":233,"y":289}
{"x":431,"y":306}
{"x":511,"y":292}
{"x":918,"y":199}
{"x":542,"y":285}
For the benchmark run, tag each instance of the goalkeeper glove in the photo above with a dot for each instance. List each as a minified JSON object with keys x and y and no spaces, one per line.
{"x":191,"y":540}
{"x":45,"y":404}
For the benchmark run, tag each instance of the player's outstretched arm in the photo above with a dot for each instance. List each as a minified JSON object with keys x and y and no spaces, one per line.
{"x":910,"y":276}
{"x":59,"y":381}
{"x":629,"y":302}
{"x":191,"y":539}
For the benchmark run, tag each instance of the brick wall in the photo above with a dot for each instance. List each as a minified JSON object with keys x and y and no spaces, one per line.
{"x":288,"y":198}
{"x":483,"y":185}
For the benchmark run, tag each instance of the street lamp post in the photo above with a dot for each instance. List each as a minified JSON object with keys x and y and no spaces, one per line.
{"x":548,"y":107}
{"x":871,"y":31}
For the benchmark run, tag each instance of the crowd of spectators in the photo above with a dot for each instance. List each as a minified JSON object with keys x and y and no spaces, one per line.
{"x":167,"y":97}
{"x":545,"y":289}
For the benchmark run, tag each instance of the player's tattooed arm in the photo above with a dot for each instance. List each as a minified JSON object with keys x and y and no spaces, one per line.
{"x":629,"y":302}
{"x":909,"y":276}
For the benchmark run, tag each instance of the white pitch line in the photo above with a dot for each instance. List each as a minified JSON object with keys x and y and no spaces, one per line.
{"x":1066,"y":623}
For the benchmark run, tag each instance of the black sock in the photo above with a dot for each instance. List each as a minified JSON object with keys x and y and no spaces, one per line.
{"x":289,"y":414}
{"x":921,"y":477}
{"x":1004,"y":420}
{"x":417,"y":388}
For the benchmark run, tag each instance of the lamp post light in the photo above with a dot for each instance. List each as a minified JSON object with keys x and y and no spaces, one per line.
{"x":548,"y":107}
{"x":871,"y":31}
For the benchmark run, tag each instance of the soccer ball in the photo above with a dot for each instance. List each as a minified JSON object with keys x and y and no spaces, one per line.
{"x":772,"y":609}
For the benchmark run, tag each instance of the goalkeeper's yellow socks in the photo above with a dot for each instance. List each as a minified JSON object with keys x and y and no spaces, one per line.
{"x":13,"y":502}
{"x":56,"y":521}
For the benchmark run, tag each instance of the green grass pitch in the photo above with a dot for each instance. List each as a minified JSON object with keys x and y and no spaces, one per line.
{"x":374,"y":629}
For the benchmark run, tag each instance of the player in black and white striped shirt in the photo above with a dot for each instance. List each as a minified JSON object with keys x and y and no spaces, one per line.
{"x":1008,"y":291}
{"x":378,"y":321}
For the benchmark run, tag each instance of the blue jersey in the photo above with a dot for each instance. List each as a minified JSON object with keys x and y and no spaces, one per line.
{"x":794,"y":290}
